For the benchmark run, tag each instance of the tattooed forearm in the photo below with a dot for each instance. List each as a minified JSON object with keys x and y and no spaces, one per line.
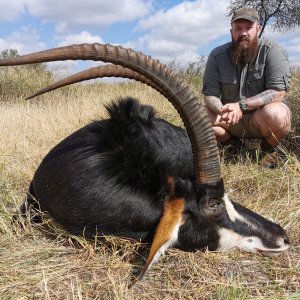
{"x":213,"y":103}
{"x":264,"y":98}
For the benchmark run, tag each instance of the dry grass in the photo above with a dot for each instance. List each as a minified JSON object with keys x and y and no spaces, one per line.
{"x":44,"y":262}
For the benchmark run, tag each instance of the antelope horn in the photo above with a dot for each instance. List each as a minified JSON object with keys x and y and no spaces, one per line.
{"x":97,"y":72}
{"x":198,"y":126}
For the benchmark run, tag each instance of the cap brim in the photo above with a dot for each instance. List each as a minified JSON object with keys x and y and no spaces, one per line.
{"x":245,"y":17}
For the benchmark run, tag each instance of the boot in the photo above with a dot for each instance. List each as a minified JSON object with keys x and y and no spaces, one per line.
{"x":271,"y":156}
{"x":231,"y":147}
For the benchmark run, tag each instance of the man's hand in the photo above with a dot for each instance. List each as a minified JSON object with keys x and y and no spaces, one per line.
{"x":231,"y":113}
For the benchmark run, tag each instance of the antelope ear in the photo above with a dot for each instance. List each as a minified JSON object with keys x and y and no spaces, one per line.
{"x":167,"y":230}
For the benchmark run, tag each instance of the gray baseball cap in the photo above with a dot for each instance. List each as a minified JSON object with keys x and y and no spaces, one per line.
{"x":246,"y":13}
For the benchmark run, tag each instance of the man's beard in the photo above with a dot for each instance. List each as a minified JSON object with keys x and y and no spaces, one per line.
{"x":244,"y":50}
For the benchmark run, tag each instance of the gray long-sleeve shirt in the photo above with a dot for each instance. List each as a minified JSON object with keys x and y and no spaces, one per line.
{"x":231,"y":83}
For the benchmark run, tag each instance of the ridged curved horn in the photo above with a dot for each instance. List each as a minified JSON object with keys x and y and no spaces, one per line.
{"x":204,"y":146}
{"x":97,"y":72}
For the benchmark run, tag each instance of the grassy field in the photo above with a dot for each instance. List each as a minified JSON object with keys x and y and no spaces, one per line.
{"x":45,"y":262}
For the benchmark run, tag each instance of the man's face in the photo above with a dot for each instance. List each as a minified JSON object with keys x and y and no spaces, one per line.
{"x":244,"y":32}
{"x":244,"y":41}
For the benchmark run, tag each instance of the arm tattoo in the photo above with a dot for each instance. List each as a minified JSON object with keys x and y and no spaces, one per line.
{"x":264,"y":98}
{"x":213,"y":103}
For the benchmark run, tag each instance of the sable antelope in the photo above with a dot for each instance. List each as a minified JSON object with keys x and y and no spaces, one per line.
{"x":137,"y":176}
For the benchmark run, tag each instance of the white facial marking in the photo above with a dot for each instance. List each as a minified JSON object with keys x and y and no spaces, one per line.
{"x":232,"y":213}
{"x":230,"y":240}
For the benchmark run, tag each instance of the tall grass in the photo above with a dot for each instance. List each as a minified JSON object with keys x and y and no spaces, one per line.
{"x":45,"y":262}
{"x":293,"y":99}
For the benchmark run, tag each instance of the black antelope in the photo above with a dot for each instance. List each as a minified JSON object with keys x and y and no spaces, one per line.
{"x":137,"y":176}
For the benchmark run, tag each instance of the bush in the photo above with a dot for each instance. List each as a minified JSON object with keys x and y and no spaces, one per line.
{"x":192,"y":73}
{"x":294,"y":101}
{"x":18,"y":82}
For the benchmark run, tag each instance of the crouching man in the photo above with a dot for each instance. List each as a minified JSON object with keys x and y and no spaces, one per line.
{"x":244,"y":86}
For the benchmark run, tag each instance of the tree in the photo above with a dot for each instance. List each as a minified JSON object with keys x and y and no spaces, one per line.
{"x":283,"y":15}
{"x":9,"y":53}
{"x":14,"y":53}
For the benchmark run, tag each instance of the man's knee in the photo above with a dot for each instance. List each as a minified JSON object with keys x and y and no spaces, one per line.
{"x":221,"y":134}
{"x":275,"y":117}
{"x":273,"y":122}
{"x":211,"y":115}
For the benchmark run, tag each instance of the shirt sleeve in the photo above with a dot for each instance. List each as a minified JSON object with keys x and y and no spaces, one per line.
{"x":211,"y":84}
{"x":277,"y":70}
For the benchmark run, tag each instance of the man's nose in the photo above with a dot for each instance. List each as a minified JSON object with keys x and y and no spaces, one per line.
{"x":244,"y":32}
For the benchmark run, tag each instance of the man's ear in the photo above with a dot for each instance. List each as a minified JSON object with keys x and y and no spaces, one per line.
{"x":258,"y":27}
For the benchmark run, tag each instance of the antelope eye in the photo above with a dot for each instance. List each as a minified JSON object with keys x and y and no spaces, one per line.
{"x":214,"y":204}
{"x":213,"y":208}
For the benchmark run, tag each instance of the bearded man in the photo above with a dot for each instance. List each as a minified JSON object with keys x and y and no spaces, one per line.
{"x":244,"y":86}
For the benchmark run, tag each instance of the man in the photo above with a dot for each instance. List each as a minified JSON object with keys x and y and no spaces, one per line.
{"x":244,"y":86}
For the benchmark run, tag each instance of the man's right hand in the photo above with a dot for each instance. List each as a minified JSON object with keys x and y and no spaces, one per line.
{"x":231,"y":113}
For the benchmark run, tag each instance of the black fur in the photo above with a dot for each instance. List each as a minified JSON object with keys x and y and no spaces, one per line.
{"x":110,"y":176}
